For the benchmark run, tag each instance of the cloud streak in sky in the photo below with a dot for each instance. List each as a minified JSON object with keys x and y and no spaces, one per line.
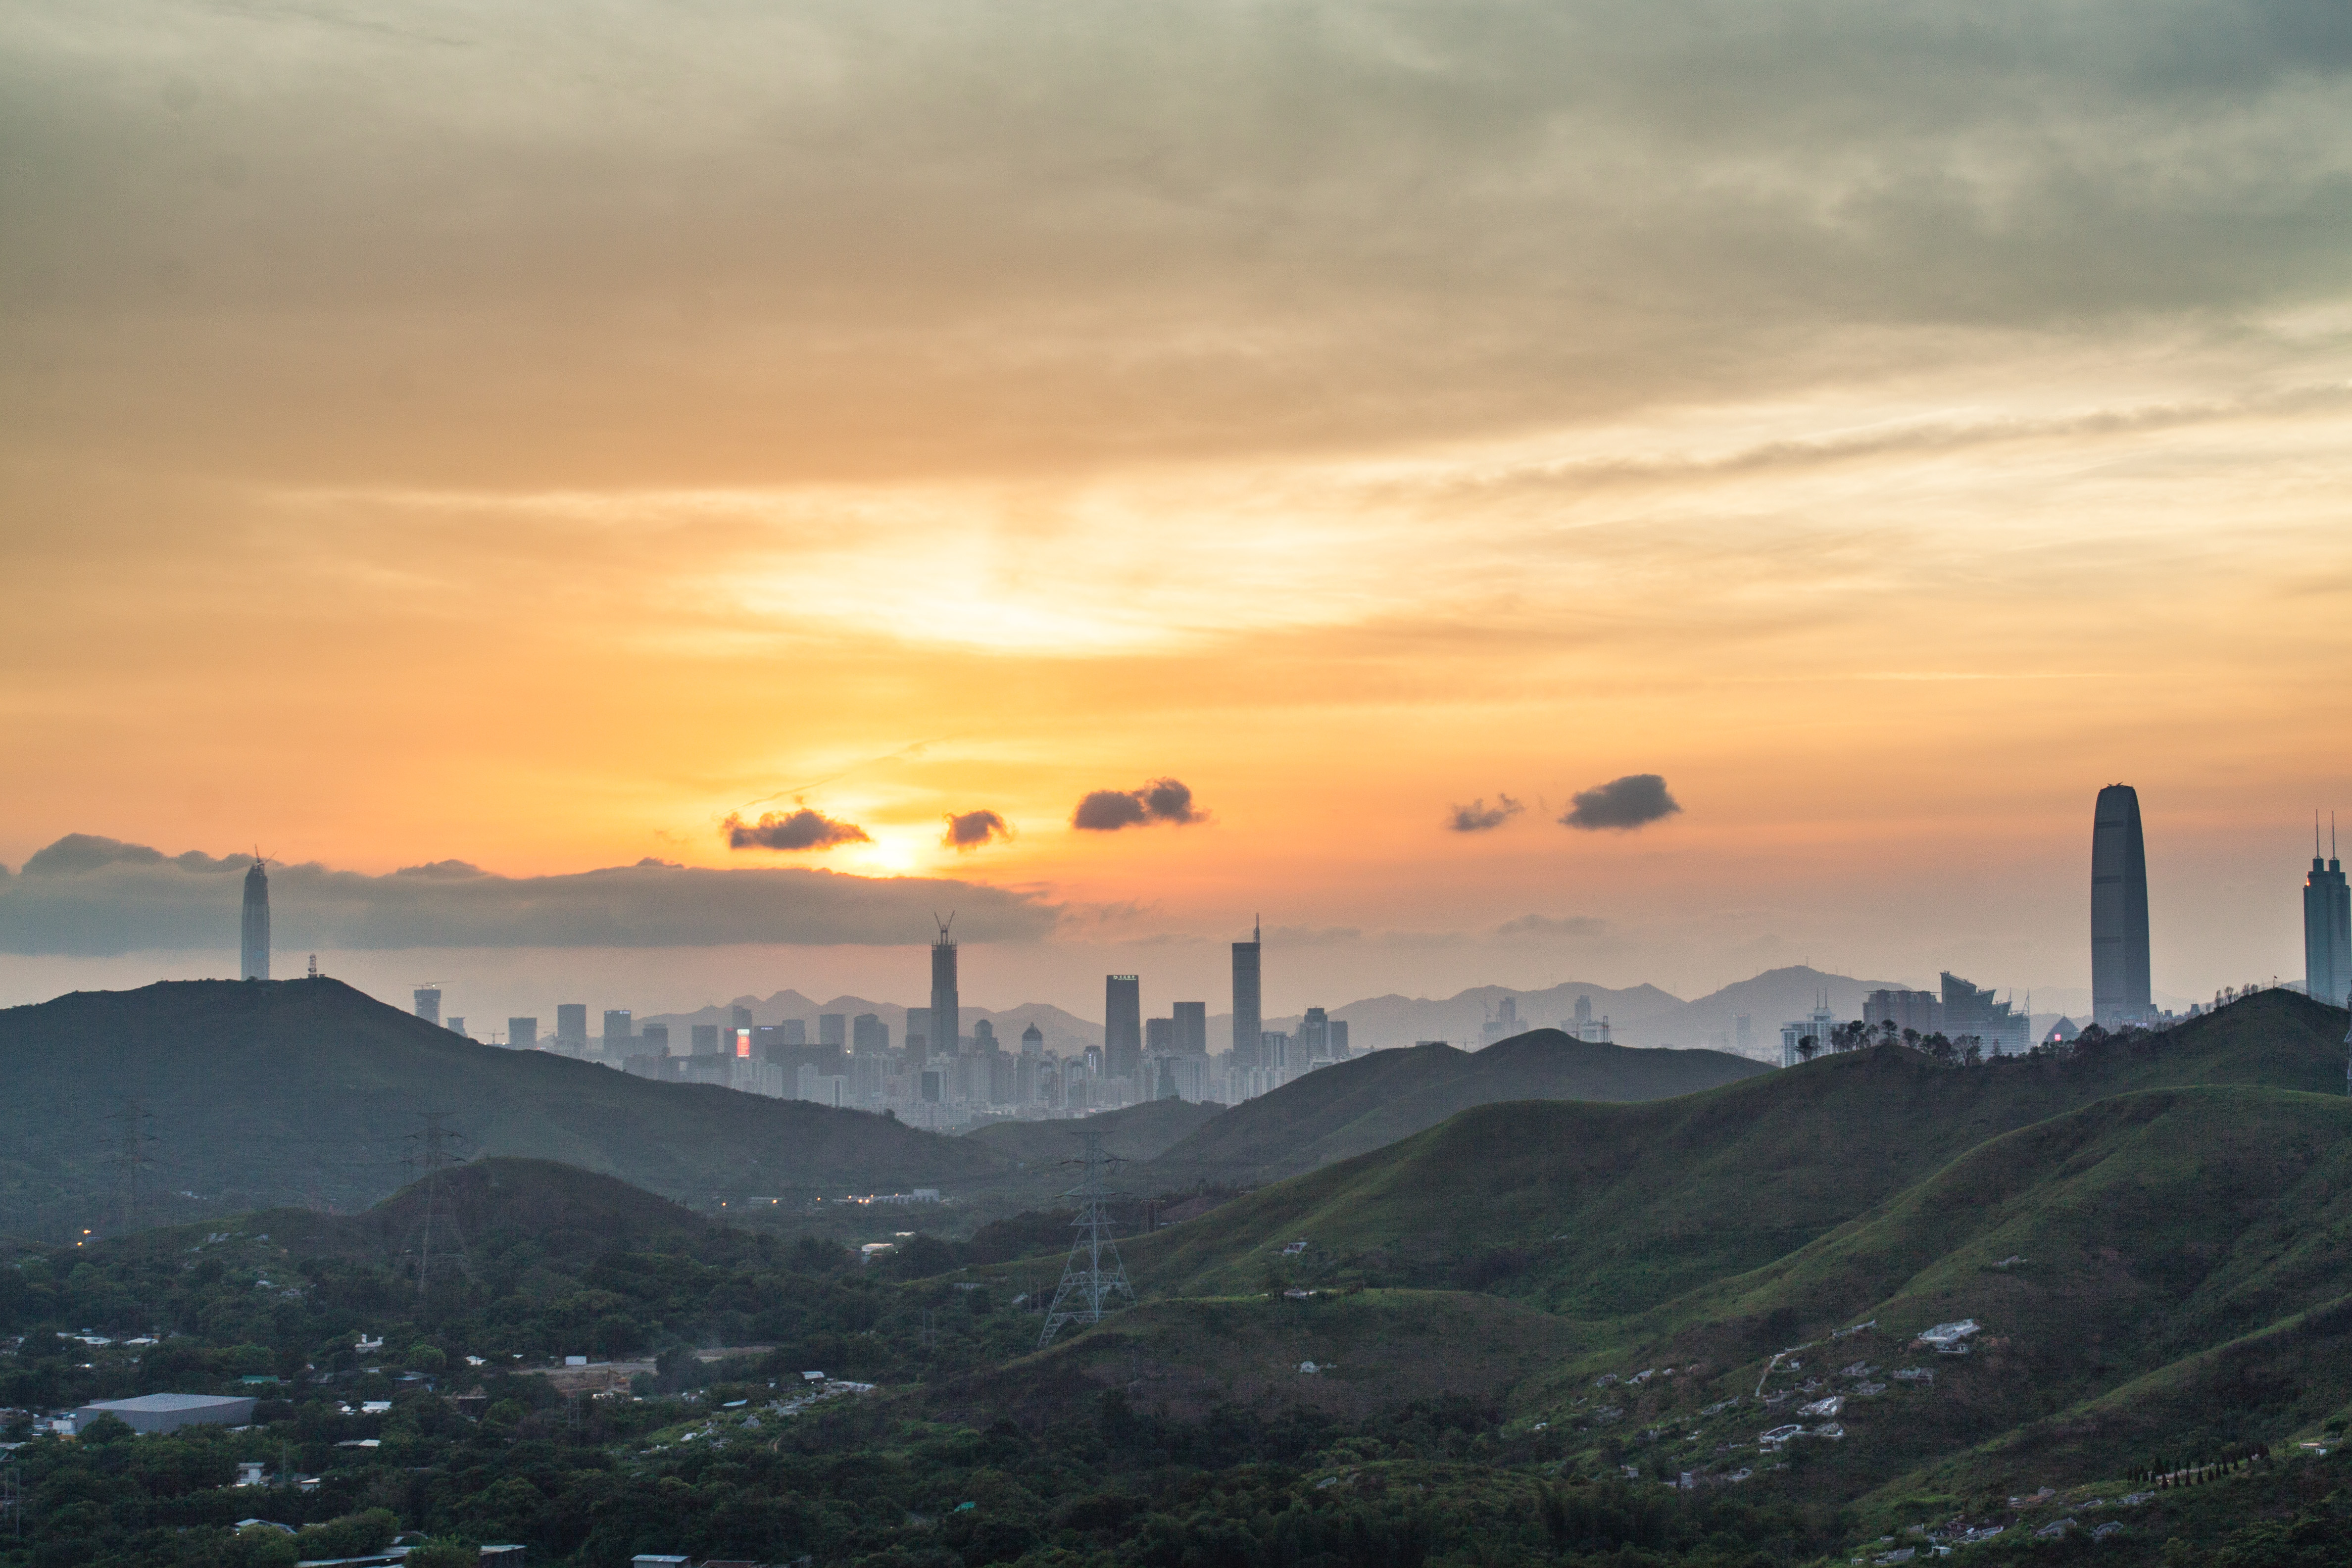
{"x":1161,"y":800}
{"x":1621,"y":804}
{"x":971,"y":829}
{"x":801,"y":829}
{"x":91,"y":896}
{"x":1479,"y":817}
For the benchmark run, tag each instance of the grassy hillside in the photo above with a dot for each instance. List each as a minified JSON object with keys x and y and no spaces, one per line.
{"x":1135,"y":1132}
{"x":2108,"y":1253}
{"x":307,"y":1092}
{"x":1375,"y":1099}
{"x":1600,"y":1210}
{"x":1372,"y":1350}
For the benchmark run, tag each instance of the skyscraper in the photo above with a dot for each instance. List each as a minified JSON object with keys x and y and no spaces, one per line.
{"x":522,"y":1034}
{"x":1193,"y":1029}
{"x":2326,"y":925}
{"x":1122,"y":1025}
{"x":2119,"y":983}
{"x":944,"y":1027}
{"x":833,"y":1029}
{"x":253,"y":962}
{"x":571,"y":1026}
{"x":1247,"y":1023}
{"x":620,"y":1027}
{"x":428,"y":1003}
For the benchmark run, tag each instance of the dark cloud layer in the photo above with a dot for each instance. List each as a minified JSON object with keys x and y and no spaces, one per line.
{"x":1633,"y":801}
{"x":1480,"y":817}
{"x":1161,"y":800}
{"x":971,"y":829}
{"x":89,"y":895}
{"x":801,"y":829}
{"x":1450,"y":214}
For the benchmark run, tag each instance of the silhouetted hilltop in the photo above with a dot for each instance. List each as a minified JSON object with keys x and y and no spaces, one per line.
{"x":256,"y":1094}
{"x":1356,"y":1106}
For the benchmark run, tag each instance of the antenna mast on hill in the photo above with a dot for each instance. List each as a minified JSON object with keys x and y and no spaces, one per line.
{"x":1086,"y":1283}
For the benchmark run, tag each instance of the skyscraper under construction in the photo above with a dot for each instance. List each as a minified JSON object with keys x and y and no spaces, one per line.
{"x":946,"y":1023}
{"x":2119,"y":970}
{"x":253,"y":962}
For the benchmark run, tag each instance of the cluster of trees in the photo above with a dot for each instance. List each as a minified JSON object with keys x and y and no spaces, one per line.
{"x":595,"y":1482}
{"x":243,"y":1307}
{"x":1967,"y":1050}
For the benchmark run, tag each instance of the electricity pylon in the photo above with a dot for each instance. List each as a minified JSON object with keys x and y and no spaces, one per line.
{"x":432,"y":1153}
{"x":1086,"y":1284}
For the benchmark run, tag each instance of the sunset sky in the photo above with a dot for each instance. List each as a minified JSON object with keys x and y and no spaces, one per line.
{"x":532,"y":435}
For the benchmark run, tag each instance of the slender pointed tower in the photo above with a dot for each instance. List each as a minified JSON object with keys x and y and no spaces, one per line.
{"x":2327,"y":924}
{"x":2119,"y":966}
{"x":253,"y":963}
{"x":946,"y":1001}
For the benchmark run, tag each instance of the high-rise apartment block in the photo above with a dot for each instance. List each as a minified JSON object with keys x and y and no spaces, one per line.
{"x":1919,"y":1011}
{"x":1033,"y":1041}
{"x":1248,"y":1020}
{"x":1122,"y":1025}
{"x":252,"y":957}
{"x":2326,"y":926}
{"x":428,"y":1003}
{"x":2120,"y":992}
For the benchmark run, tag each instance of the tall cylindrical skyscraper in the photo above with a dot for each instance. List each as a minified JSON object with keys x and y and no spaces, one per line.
{"x":2119,"y":978}
{"x":253,"y":962}
{"x":1247,"y":1023}
{"x":946,"y":1022}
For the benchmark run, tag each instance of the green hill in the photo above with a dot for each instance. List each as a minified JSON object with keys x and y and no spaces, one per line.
{"x":2109,"y":1254}
{"x":1600,"y":1210}
{"x":259,"y":1094}
{"x":1361,"y":1105}
{"x":1370,"y":1351}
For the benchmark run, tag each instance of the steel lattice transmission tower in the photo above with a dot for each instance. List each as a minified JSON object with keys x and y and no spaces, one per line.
{"x":432,"y":1153}
{"x":1086,"y":1284}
